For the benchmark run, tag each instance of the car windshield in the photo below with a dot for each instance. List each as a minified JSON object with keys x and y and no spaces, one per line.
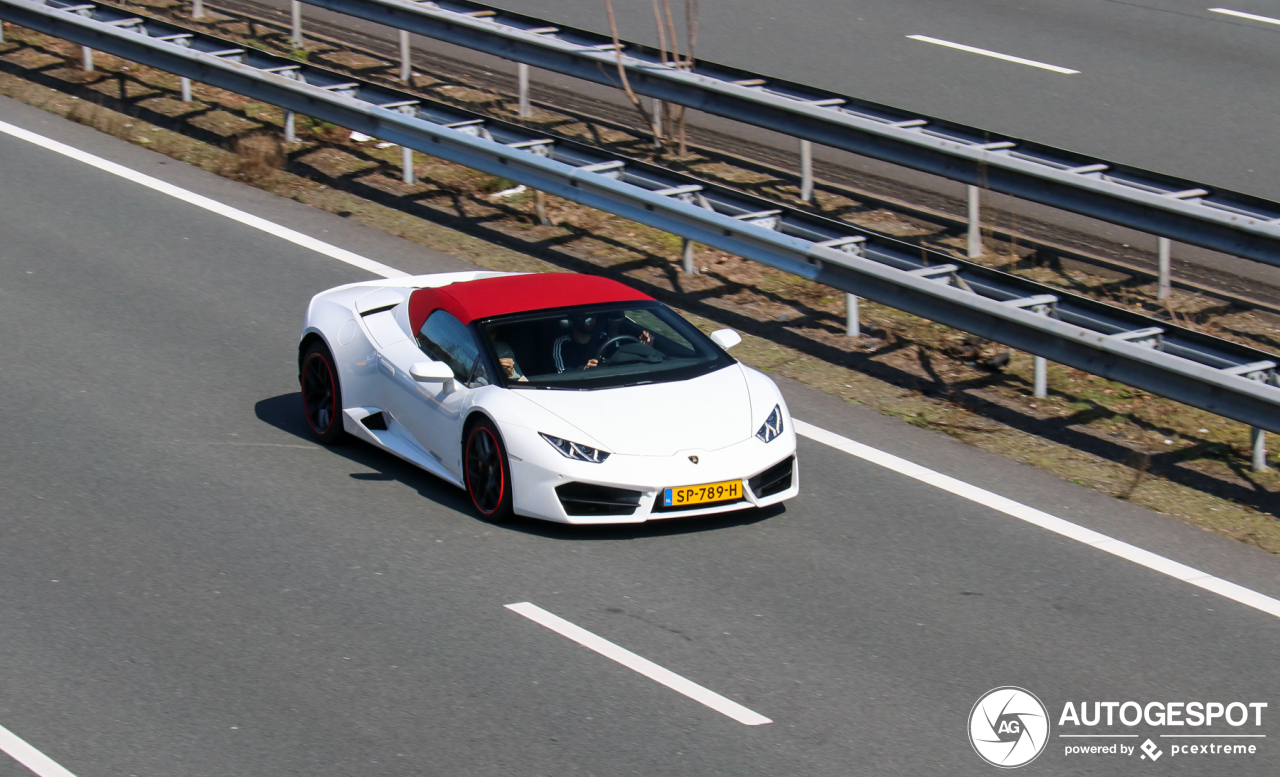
{"x":599,"y":346}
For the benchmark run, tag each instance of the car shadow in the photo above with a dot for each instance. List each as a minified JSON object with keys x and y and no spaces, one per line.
{"x":663,"y":527}
{"x":284,"y":412}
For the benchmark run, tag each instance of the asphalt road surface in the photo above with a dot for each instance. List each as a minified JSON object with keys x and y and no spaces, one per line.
{"x":189,"y":586}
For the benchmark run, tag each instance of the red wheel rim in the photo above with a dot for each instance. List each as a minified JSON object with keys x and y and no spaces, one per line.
{"x":486,"y":482}
{"x":319,"y":399}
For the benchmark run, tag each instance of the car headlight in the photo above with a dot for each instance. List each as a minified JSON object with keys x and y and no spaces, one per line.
{"x":575,"y":451}
{"x":772,"y":425}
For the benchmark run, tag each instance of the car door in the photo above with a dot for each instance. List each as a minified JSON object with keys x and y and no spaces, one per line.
{"x":433,"y":411}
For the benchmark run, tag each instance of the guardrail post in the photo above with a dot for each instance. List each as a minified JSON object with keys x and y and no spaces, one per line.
{"x":186,"y":89}
{"x":689,"y":269}
{"x":197,"y":9}
{"x":1163,"y":284}
{"x":406,"y":57}
{"x":806,"y":170}
{"x":295,"y":13}
{"x":975,"y":223}
{"x":540,"y":207}
{"x":1041,"y":388}
{"x":522,"y":71}
{"x":657,"y":123}
{"x":289,"y":135}
{"x":406,"y":165}
{"x":852,"y":327}
{"x":1258,"y":438}
{"x":86,"y":55}
{"x":1042,"y":305}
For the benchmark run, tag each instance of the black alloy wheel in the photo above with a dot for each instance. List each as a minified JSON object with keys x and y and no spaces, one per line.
{"x":321,"y":394}
{"x":488,"y":476}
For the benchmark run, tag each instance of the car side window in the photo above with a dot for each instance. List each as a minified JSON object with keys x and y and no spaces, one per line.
{"x":446,"y":339}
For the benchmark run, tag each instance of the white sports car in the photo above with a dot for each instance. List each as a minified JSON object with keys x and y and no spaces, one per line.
{"x":565,"y":397}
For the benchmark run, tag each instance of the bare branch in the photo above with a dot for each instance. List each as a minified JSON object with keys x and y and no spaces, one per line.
{"x":662,"y":111}
{"x":675,"y":38}
{"x":691,"y":27}
{"x":662,"y":32}
{"x":622,"y":72}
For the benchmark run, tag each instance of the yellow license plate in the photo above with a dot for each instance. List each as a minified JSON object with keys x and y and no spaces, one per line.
{"x":728,"y":490}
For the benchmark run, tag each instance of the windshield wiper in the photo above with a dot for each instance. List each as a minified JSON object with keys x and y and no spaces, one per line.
{"x":545,"y":387}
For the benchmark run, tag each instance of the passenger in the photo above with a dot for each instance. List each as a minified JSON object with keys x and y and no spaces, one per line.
{"x":507,"y":360}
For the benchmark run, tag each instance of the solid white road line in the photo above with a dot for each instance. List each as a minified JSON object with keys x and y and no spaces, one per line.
{"x":1250,"y":16}
{"x":248,"y":219}
{"x":642,"y":665}
{"x":30,"y":757}
{"x":994,"y":54}
{"x":982,"y":496}
{"x":1042,"y":519}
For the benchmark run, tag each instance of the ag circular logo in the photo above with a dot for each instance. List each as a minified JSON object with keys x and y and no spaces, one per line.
{"x":1009,"y":727}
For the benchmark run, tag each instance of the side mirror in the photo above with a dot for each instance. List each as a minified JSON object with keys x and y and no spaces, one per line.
{"x":431,"y":372}
{"x":726,"y":338}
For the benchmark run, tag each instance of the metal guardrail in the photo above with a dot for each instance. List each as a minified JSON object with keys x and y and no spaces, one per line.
{"x":262,"y":19}
{"x":1206,"y":372}
{"x":1176,"y":208}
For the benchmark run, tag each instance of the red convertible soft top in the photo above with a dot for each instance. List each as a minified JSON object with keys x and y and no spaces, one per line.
{"x":487,"y":297}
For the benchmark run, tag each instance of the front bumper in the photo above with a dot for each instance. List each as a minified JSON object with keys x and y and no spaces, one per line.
{"x":555,"y":488}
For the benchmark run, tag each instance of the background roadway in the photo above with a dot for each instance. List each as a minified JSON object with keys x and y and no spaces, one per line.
{"x":1166,"y":85}
{"x":189,"y":586}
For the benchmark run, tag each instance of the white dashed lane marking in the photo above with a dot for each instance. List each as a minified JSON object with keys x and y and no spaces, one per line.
{"x":30,"y":757}
{"x":993,"y":54}
{"x":1253,"y":17}
{"x":642,"y":665}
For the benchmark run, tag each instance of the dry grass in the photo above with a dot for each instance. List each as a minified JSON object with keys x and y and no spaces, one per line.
{"x":258,"y":159}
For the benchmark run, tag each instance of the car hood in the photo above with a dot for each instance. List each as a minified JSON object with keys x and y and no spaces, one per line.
{"x":705,"y":413}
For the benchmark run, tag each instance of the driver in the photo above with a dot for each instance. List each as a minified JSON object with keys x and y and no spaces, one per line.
{"x":579,"y":350}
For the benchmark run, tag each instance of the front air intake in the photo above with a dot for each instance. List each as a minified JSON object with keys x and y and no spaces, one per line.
{"x":587,"y":499}
{"x":773,"y":480}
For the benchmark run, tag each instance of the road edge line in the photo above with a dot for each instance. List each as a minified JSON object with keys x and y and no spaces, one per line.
{"x":200,"y":201}
{"x":1053,"y":523}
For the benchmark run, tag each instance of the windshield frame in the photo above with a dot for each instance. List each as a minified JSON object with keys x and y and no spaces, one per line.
{"x":684,"y":328}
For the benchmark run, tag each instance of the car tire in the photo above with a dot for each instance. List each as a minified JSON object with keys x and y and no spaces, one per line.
{"x":321,"y":394}
{"x":487,"y":472}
